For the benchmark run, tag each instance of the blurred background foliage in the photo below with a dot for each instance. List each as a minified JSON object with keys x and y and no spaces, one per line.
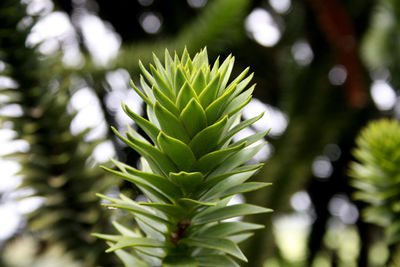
{"x":323,"y":68}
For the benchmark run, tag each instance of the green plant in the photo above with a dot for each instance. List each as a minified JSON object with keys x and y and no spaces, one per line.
{"x":191,"y":168}
{"x":57,"y":165}
{"x":377,"y":175}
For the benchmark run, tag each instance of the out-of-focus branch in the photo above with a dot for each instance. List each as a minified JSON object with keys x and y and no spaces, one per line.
{"x":338,"y":29}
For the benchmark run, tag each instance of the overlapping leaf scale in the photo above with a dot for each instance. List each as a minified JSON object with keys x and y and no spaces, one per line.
{"x":193,"y":118}
{"x":192,"y":167}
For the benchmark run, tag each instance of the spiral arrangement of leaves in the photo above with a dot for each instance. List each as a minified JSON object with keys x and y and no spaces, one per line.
{"x":190,"y":167}
{"x":377,"y":175}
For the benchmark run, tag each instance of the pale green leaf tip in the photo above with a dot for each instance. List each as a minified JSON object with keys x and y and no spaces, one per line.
{"x":110,"y":250}
{"x":98,"y":235}
{"x":184,"y":172}
{"x":141,"y":65}
{"x":101,"y":195}
{"x":112,"y":160}
{"x":104,"y":167}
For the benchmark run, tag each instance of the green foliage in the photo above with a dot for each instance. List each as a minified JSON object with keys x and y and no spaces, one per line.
{"x":57,"y":165}
{"x":191,"y":168}
{"x":377,"y":175}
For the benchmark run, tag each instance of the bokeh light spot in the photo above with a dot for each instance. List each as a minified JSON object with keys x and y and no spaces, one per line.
{"x":383,"y":95}
{"x":261,"y":27}
{"x":337,"y":75}
{"x":151,"y":22}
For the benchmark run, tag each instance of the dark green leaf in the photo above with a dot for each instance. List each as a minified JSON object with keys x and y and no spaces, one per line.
{"x":188,"y":202}
{"x":250,"y":139}
{"x":238,"y":103}
{"x":210,"y":92}
{"x":214,"y":214}
{"x":226,"y":72}
{"x":219,"y":244}
{"x":147,"y":74}
{"x":213,"y":180}
{"x":136,"y":208}
{"x":170,"y":124}
{"x":213,"y":111}
{"x":240,"y":126}
{"x":228,"y":228}
{"x":180,"y":79}
{"x":209,"y":161}
{"x":150,"y":152}
{"x":143,"y":184}
{"x":136,"y":241}
{"x":193,"y":117}
{"x":172,"y":211}
{"x":240,"y":237}
{"x":177,"y":151}
{"x":158,"y":161}
{"x":227,"y":183}
{"x":222,"y":71}
{"x":142,"y":96}
{"x":113,"y":238}
{"x":165,"y":102}
{"x":238,"y":159}
{"x":207,"y":140}
{"x":199,"y":82}
{"x":161,"y":84}
{"x":239,"y":88}
{"x":186,"y":93}
{"x":240,"y":77}
{"x":187,"y":181}
{"x":157,"y":182}
{"x":243,"y":188}
{"x":151,"y":130}
{"x":162,"y":71}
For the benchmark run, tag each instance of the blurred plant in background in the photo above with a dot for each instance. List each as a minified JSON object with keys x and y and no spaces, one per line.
{"x":323,"y":69}
{"x":56,"y":166}
{"x":376,"y":176}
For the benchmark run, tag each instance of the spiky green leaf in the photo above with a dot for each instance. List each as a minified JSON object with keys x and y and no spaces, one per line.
{"x":213,"y":214}
{"x":207,"y":140}
{"x":170,"y":124}
{"x":126,"y":241}
{"x":193,"y":117}
{"x":219,"y":244}
{"x":177,"y":151}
